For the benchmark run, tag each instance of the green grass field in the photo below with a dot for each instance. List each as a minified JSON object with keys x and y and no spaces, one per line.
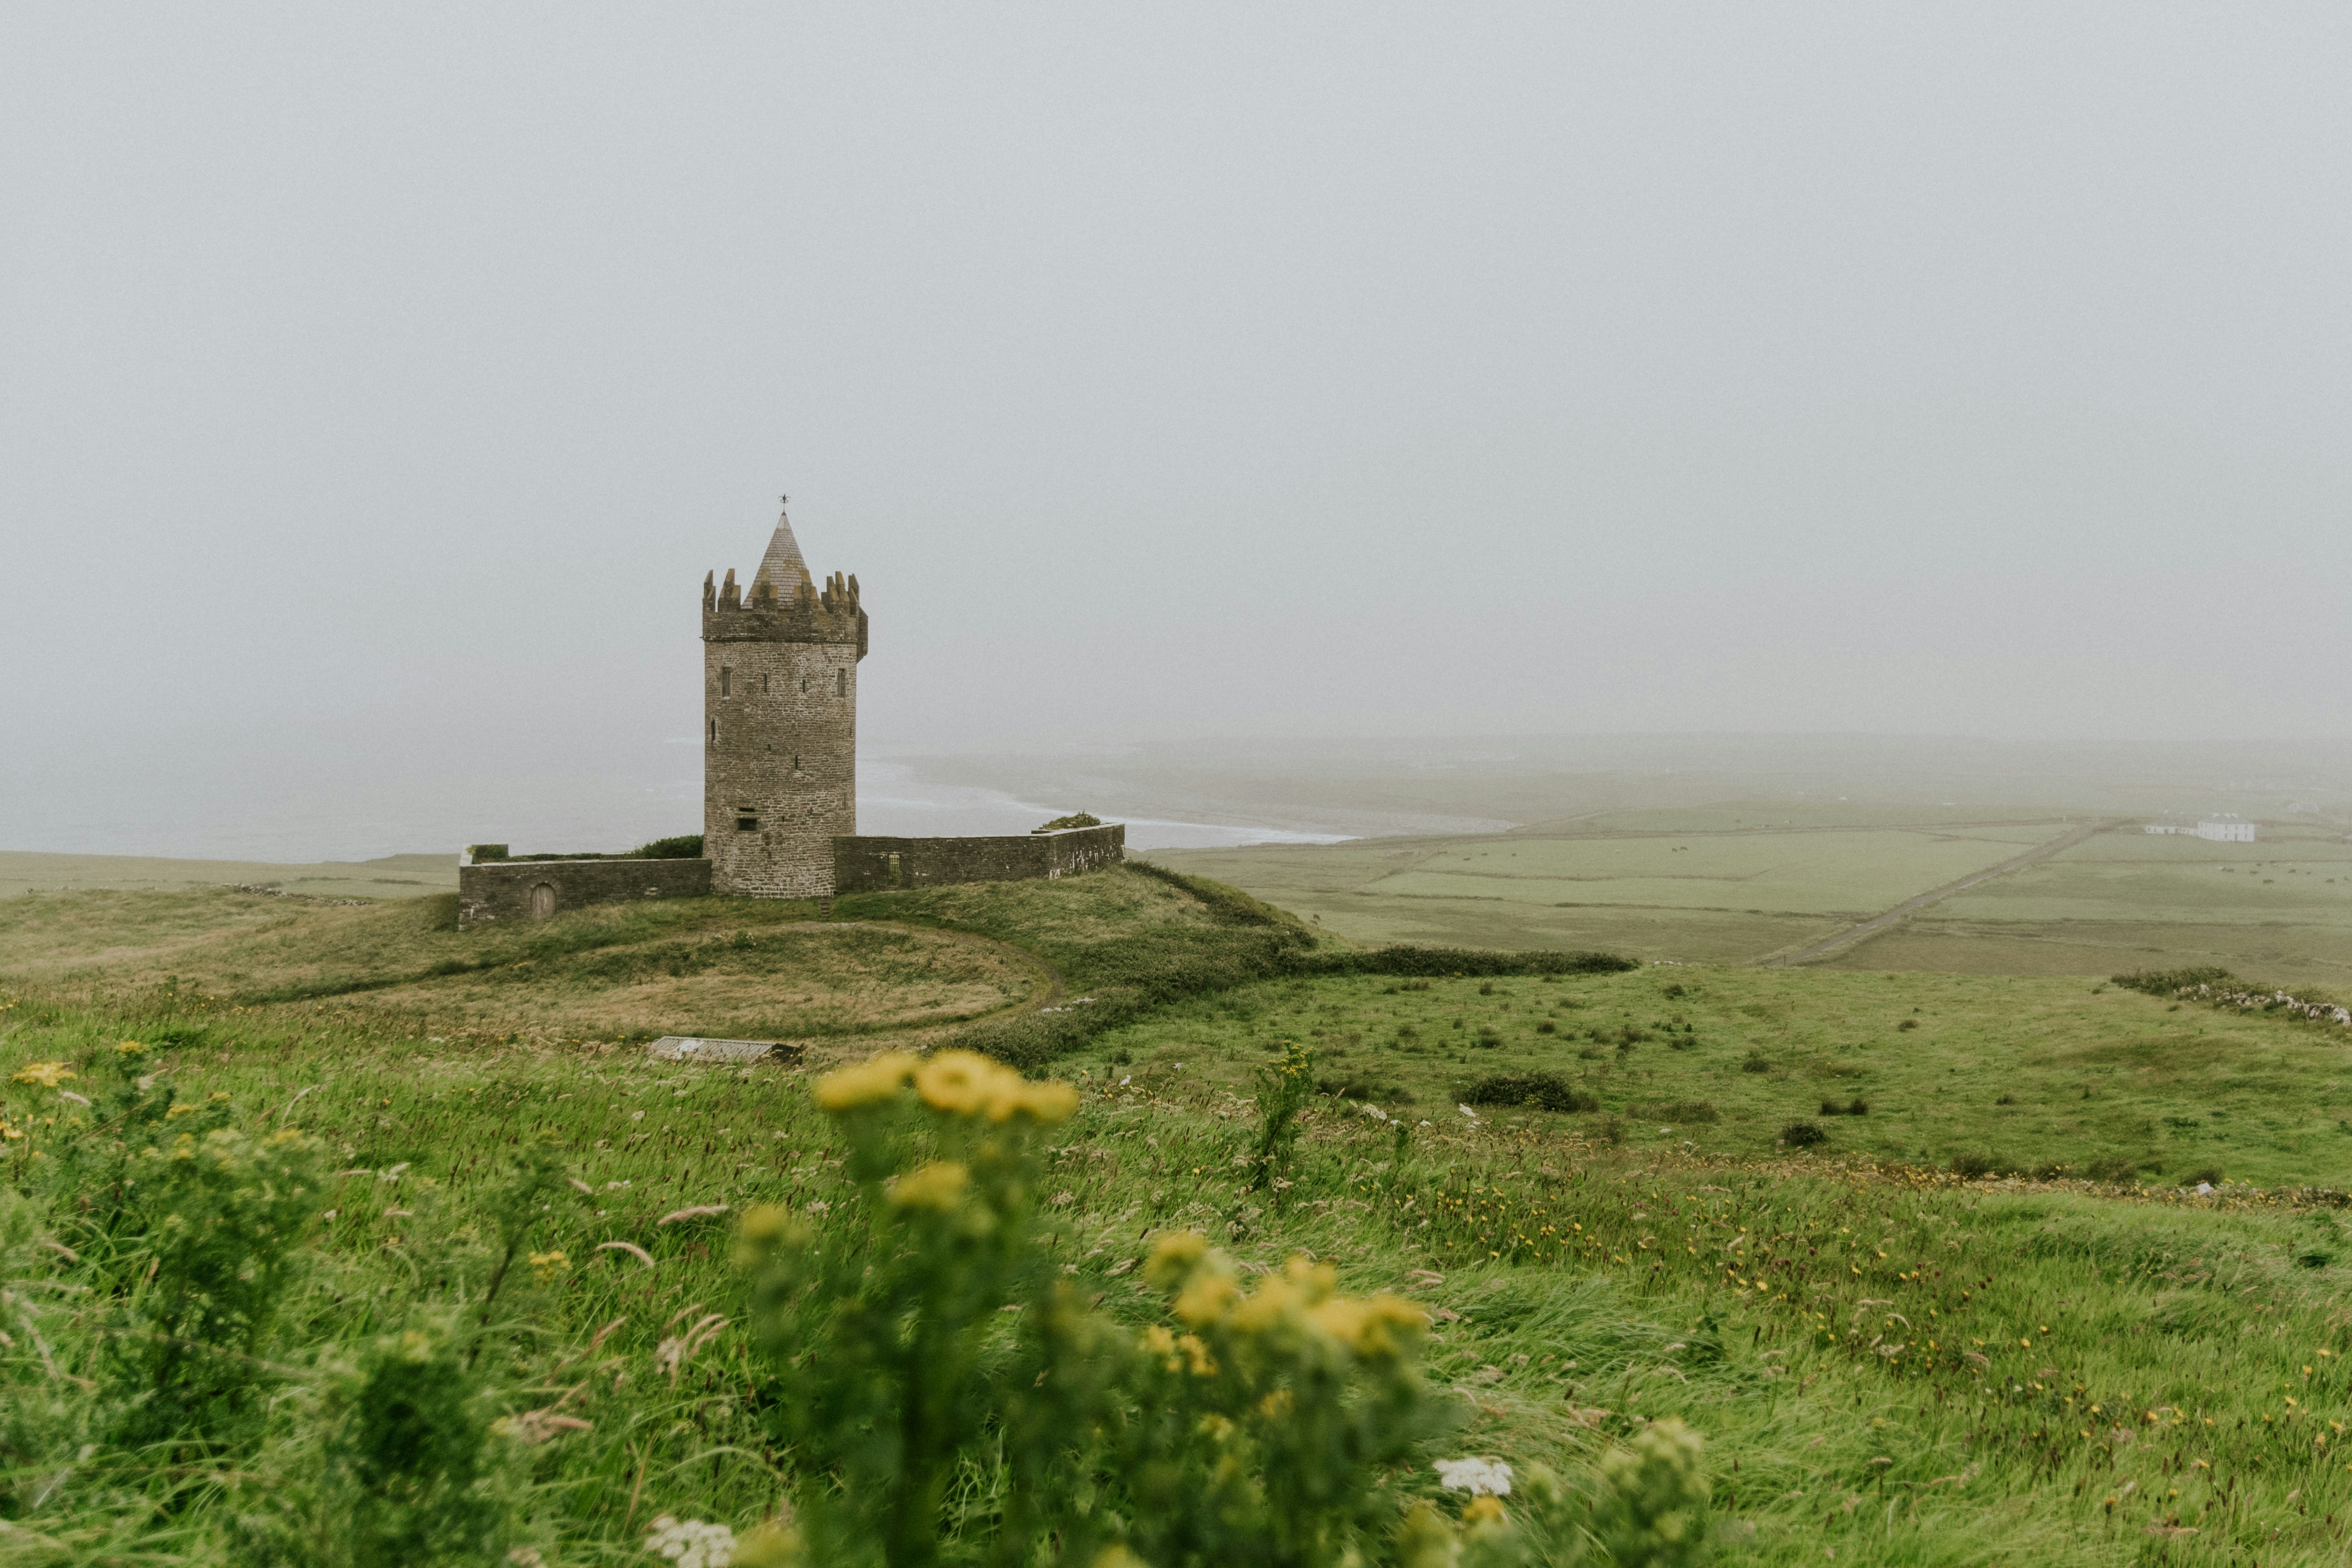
{"x":1737,"y":881}
{"x":1889,"y":1364}
{"x":1713,"y":1063}
{"x":392,"y":876}
{"x":2125,"y":900}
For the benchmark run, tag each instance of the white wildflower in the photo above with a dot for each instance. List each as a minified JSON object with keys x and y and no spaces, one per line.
{"x":1374,"y":1112}
{"x":1479,"y":1477}
{"x":691,"y":1543}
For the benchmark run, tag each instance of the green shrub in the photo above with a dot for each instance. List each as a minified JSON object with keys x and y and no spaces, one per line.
{"x":685,"y":847}
{"x":1459,"y":961}
{"x":1250,"y":1427}
{"x":1075,"y":819}
{"x":1803,"y":1135}
{"x":1544,"y":1091}
{"x":411,"y":1468}
{"x":1650,"y":1509}
{"x":1366,"y":1088}
{"x":213,"y":1223}
{"x":2167,"y":982}
{"x":1682,"y":1110}
{"x":1756,"y":1061}
{"x":1284,"y":1088}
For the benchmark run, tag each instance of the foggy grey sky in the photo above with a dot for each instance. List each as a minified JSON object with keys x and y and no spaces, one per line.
{"x":376,"y":385}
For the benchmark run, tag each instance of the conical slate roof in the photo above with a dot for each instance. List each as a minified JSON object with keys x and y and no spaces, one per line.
{"x":782,"y":564}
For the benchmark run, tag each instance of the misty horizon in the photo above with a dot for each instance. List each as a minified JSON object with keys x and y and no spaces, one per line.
{"x":380,"y":389}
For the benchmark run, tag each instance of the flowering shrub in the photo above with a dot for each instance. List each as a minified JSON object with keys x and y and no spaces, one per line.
{"x":1253,"y":1424}
{"x":1284,"y":1088}
{"x":1256,"y":1424}
{"x":884,"y":1341}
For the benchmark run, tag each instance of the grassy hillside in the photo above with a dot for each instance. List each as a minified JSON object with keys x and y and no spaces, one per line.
{"x":1888,"y":1363}
{"x":2021,"y":1074}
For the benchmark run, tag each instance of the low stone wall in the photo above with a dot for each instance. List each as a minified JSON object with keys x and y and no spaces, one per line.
{"x":534,"y":890}
{"x":876,"y":865}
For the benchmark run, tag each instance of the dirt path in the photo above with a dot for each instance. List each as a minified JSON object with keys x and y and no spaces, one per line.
{"x":1839,"y":941}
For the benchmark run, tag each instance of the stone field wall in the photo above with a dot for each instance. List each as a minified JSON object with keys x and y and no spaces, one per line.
{"x":865,"y":865}
{"x":511,"y":889}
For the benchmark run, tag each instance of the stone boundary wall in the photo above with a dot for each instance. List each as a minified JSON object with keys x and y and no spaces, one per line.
{"x":503,"y":890}
{"x":877,"y":864}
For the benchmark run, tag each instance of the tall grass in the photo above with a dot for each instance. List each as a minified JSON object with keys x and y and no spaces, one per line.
{"x":282,"y":1288}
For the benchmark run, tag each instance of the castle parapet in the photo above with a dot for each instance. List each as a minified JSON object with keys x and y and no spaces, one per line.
{"x":806,"y":617}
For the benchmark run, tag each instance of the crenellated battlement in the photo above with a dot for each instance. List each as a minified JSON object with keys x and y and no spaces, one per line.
{"x":801,"y":612}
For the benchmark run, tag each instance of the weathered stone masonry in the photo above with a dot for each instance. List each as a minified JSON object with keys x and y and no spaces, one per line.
{"x":779,"y":725}
{"x":876,"y":865}
{"x":533,"y":890}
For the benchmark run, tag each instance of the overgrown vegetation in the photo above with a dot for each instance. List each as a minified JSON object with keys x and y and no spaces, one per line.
{"x":1544,"y":1091}
{"x":295,"y":1282}
{"x":915,"y":1338}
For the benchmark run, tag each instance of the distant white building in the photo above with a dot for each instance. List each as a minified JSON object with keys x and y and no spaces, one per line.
{"x":2226,"y":829}
{"x":2165,"y":827}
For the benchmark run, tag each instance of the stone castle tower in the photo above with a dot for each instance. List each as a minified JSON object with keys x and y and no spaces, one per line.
{"x":779,"y":725}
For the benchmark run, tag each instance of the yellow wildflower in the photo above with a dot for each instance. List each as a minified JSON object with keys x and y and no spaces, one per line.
{"x":44,"y":1075}
{"x":868,"y":1083}
{"x":1207,"y":1296}
{"x":1268,"y":1308}
{"x":1119,"y":1557}
{"x":548,"y":1265}
{"x":1174,"y":1258}
{"x":1316,"y":1281}
{"x":1196,"y":1356}
{"x":1379,"y":1329}
{"x":1047,"y":1103}
{"x":962,"y":1083}
{"x":776,"y":1544}
{"x":1159,"y":1341}
{"x":130,"y":1049}
{"x":938,"y":1185}
{"x":182,"y":1109}
{"x":1423,"y":1539}
{"x":1483,"y":1511}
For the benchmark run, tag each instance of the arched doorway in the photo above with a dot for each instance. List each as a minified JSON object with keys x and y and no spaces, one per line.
{"x":543,"y":900}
